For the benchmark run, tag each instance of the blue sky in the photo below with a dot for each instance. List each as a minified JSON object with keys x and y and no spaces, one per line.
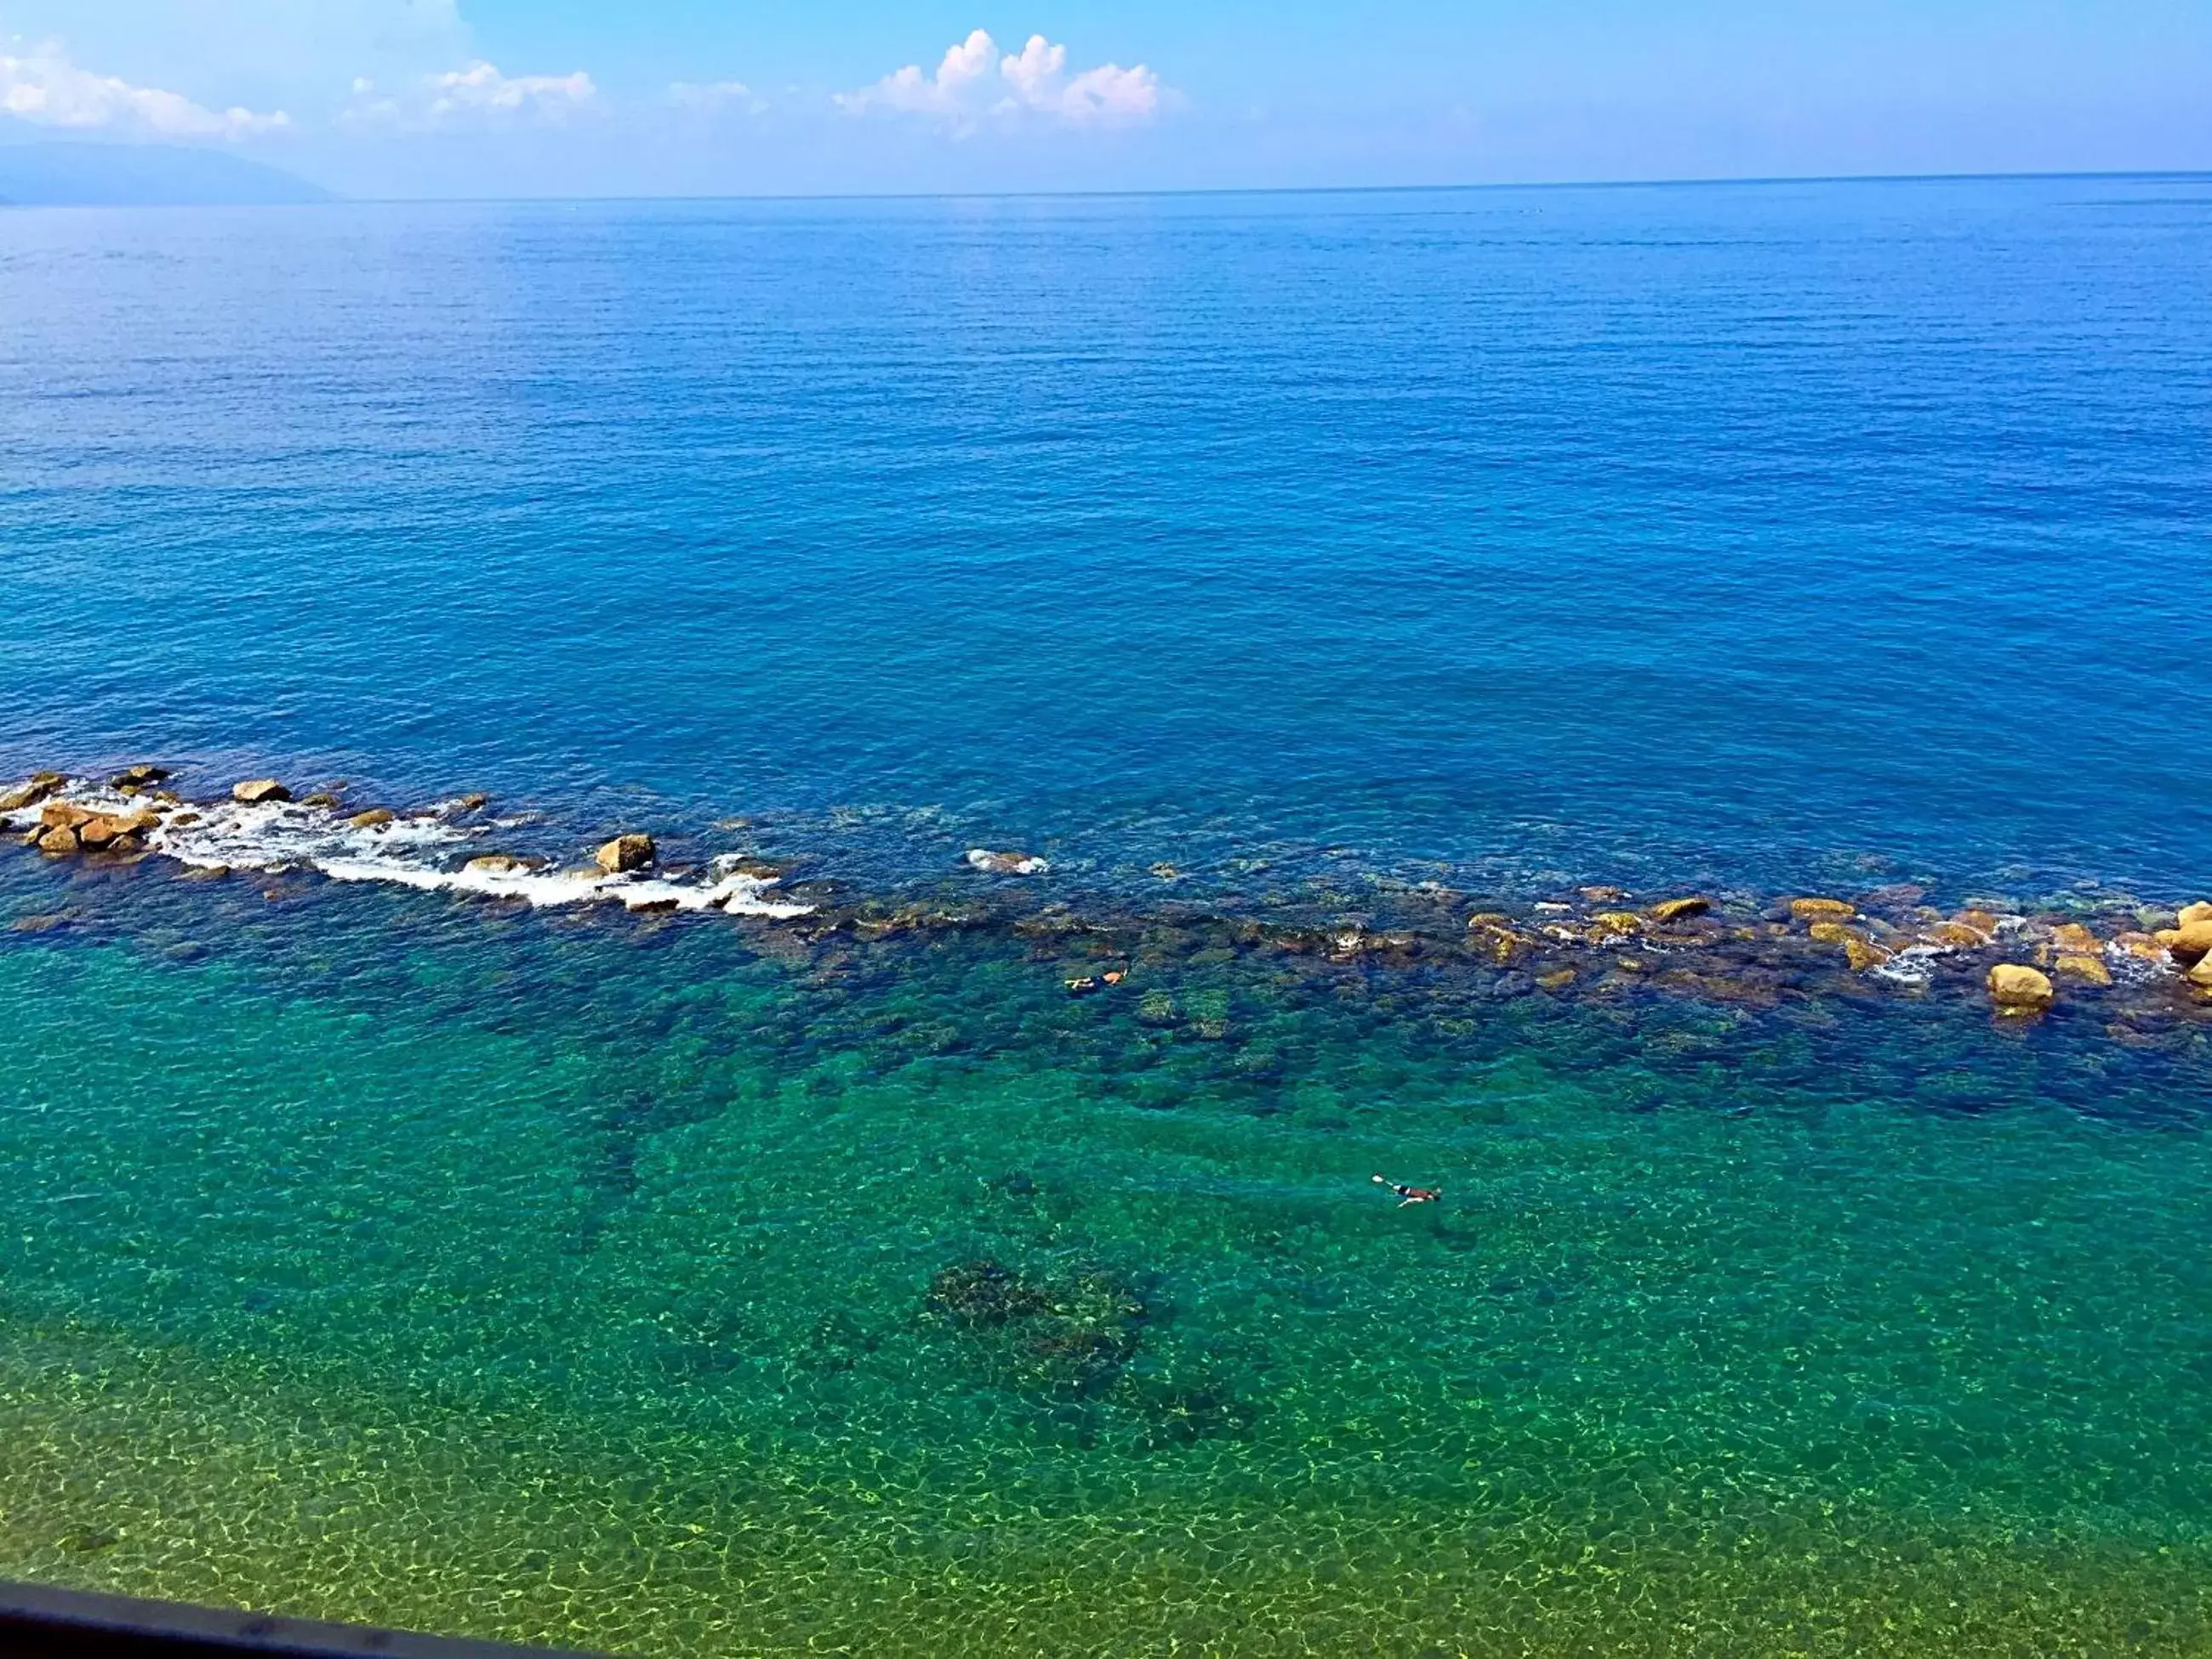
{"x":477,"y":97}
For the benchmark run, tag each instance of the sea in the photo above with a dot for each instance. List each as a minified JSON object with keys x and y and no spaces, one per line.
{"x":1151,"y":1100}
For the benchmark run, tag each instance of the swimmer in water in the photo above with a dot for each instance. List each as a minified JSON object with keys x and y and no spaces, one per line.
{"x":1411,"y":1195}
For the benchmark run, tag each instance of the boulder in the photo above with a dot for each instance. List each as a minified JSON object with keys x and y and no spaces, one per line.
{"x":1679,"y":909}
{"x":255,"y":791}
{"x":321,"y":798}
{"x":2201,"y":911}
{"x":2072,"y":939}
{"x":2017,"y":990}
{"x":2081,"y":965}
{"x":1822,"y":909}
{"x":624,"y":854}
{"x":2201,"y":973}
{"x":2187,"y":944}
{"x":59,"y":842}
{"x":100,"y":832}
{"x":472,"y":802}
{"x":1958,"y":936}
{"x":1863,"y":954}
{"x":499,"y":864}
{"x":374,"y":818}
{"x":31,"y":792}
{"x":1614,"y":924}
{"x":65,"y":815}
{"x":140,"y":777}
{"x":1005,"y":864}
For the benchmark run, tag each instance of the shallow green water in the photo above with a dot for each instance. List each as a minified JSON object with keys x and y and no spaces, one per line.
{"x":572,"y":1280}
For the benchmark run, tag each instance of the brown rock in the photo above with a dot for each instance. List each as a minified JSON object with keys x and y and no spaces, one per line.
{"x":1822,"y":909}
{"x":2017,"y":990}
{"x":60,"y":843}
{"x":1863,"y":954}
{"x":375,"y":818}
{"x":2200,"y":911}
{"x":1499,"y":940}
{"x":2201,"y":973}
{"x":141,"y":777}
{"x":2083,"y":966}
{"x":2074,"y":939}
{"x":2142,"y":947}
{"x":625,"y":853}
{"x":1006,"y":863}
{"x":321,"y":798}
{"x":1556,"y":979}
{"x":1614,"y":924}
{"x":97,"y":832}
{"x":30,"y":793}
{"x":501,"y":864}
{"x":2187,"y":944}
{"x":1679,"y":909}
{"x":1833,"y":932}
{"x":472,"y":802}
{"x":65,"y":815}
{"x":254,"y":791}
{"x":1982,"y":921}
{"x":1960,"y":936}
{"x":1601,"y":895}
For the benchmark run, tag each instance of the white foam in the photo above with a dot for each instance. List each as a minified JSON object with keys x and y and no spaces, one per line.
{"x":423,"y":851}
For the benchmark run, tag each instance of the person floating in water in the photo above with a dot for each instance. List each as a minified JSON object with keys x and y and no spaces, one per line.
{"x":1412,"y":1195}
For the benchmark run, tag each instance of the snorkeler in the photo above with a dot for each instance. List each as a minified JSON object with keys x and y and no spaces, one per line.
{"x":1412,"y":1195}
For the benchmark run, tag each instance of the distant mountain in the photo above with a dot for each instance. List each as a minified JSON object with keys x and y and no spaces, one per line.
{"x":141,"y":175}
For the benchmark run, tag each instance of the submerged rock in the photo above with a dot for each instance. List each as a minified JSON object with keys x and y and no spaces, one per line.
{"x":624,"y":854}
{"x":2072,"y":939}
{"x":499,"y":864}
{"x":1822,"y":909}
{"x":140,"y":777}
{"x":374,"y":818}
{"x":1679,"y":909}
{"x":254,"y":792}
{"x":1005,"y":864}
{"x":2019,"y":990}
{"x":2081,"y":965}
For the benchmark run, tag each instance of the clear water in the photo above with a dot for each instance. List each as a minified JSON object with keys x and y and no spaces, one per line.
{"x":592,"y":1277}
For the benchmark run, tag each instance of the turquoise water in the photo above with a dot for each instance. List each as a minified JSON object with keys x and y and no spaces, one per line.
{"x":699,"y":1284}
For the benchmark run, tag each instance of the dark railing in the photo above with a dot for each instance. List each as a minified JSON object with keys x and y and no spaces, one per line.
{"x":36,"y":1622}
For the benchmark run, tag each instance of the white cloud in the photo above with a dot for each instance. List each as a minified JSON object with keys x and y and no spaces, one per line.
{"x":473,"y":95}
{"x":1032,"y":82}
{"x":707,"y":98}
{"x":46,"y":89}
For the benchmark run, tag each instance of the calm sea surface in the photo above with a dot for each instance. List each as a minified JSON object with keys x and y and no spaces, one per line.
{"x":681,"y":1286}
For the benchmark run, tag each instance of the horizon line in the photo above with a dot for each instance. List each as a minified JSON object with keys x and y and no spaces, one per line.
{"x":1725,"y":181}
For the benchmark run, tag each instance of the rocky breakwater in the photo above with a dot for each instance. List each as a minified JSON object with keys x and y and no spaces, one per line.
{"x":258,"y":825}
{"x":2111,"y":960}
{"x":117,"y":826}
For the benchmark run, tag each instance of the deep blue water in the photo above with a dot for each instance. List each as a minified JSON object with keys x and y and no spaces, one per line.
{"x":1744,"y":533}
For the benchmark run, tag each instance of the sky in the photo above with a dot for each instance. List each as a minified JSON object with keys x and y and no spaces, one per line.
{"x":473,"y":98}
